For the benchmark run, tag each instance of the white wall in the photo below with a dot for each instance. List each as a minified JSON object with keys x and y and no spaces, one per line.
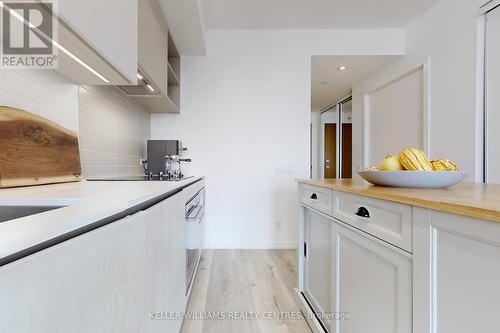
{"x":245,"y":117}
{"x":315,"y":144}
{"x":444,"y":38}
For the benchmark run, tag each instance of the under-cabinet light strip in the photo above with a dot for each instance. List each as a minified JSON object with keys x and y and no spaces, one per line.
{"x":56,"y":44}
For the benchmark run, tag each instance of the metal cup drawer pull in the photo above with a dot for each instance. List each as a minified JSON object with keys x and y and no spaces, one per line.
{"x":363,"y":212}
{"x":314,"y":196}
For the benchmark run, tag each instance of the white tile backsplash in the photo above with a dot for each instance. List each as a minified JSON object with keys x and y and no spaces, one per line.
{"x":112,"y":128}
{"x":42,"y":92}
{"x":113,"y":132}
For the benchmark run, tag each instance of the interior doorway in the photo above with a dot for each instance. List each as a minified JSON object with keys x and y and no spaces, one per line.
{"x":345,"y":147}
{"x":330,"y":144}
{"x":333,"y":78}
{"x":336,"y":140}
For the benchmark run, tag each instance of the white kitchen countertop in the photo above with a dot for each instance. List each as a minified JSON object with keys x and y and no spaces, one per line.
{"x":87,"y":202}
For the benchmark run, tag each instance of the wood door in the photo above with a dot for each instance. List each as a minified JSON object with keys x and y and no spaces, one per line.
{"x":330,"y":144}
{"x":346,"y":151}
{"x":372,"y":282}
{"x":317,"y":263}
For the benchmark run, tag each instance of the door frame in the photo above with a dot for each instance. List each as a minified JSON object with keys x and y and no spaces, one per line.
{"x":481,"y":114}
{"x":338,"y":163}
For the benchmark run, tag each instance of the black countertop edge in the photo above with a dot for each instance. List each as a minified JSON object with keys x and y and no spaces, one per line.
{"x":91,"y":226}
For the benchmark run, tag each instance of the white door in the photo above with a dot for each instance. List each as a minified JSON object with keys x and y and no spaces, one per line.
{"x":492,"y":96}
{"x":372,"y":283}
{"x":92,"y":283}
{"x":317,"y":262}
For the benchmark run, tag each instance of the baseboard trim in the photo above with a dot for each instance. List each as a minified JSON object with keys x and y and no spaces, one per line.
{"x":250,"y":245}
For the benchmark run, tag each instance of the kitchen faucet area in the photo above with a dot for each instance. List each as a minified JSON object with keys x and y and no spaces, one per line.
{"x":264,"y":166}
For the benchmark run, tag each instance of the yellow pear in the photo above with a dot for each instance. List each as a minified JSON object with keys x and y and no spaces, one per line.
{"x":391,"y":163}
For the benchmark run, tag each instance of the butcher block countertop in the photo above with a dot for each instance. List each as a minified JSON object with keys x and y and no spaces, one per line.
{"x":476,"y":200}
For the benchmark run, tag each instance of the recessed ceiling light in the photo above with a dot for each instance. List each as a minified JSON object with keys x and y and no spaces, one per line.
{"x":342,"y":68}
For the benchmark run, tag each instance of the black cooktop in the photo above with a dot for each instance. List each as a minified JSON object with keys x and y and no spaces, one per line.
{"x":138,"y":178}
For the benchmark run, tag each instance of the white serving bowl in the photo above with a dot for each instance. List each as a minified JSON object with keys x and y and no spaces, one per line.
{"x":413,"y":179}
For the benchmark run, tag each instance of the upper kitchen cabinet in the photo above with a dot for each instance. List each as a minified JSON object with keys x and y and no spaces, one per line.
{"x":99,"y":41}
{"x":153,"y":44}
{"x":158,"y":88}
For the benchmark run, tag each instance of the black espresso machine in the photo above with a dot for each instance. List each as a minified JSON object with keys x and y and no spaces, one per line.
{"x":164,"y":159}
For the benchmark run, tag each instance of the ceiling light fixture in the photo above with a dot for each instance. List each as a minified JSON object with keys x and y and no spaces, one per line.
{"x":56,"y":44}
{"x":140,"y":77}
{"x":342,"y":68}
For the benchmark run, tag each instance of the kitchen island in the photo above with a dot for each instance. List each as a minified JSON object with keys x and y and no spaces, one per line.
{"x":399,"y":260}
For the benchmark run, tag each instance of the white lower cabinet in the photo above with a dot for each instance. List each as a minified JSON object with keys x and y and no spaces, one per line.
{"x":92,"y":283}
{"x":458,"y":260}
{"x":108,"y":280}
{"x":347,"y":272}
{"x":372,"y":283}
{"x":166,"y":264}
{"x":318,"y":262}
{"x":398,"y":269}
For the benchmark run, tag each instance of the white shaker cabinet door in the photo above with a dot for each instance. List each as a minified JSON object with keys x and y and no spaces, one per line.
{"x":91,"y":283}
{"x":460,"y":264}
{"x":317,"y":262}
{"x":372,"y":283}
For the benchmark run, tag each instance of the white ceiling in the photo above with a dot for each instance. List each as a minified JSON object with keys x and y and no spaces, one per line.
{"x":340,"y":83}
{"x":185,"y":25}
{"x":311,"y":14}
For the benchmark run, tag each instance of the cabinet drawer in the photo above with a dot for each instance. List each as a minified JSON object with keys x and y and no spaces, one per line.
{"x":317,"y":197}
{"x":389,"y":221}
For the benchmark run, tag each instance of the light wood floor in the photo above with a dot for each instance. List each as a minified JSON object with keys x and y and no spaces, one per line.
{"x":241,"y":281}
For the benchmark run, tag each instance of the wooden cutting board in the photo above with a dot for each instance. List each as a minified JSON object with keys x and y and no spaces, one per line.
{"x":35,"y":150}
